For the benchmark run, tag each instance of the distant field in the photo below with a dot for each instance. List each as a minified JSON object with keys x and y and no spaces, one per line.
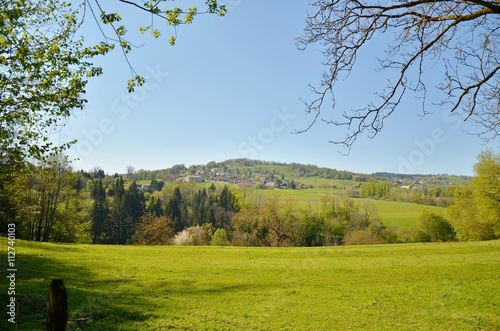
{"x":403,"y":213}
{"x":437,"y":286}
{"x":317,"y":181}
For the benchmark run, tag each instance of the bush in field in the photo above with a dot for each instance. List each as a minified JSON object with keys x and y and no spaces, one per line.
{"x":434,"y":227}
{"x":388,"y":236}
{"x":361,"y":237}
{"x":346,"y":220}
{"x":183,"y":238}
{"x":203,"y":234}
{"x":195,"y":235}
{"x":153,"y":230}
{"x":268,"y":222}
{"x":219,"y":238}
{"x":314,"y":227}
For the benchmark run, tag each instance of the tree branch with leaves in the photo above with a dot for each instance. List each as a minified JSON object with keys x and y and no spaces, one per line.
{"x":44,"y":68}
{"x":157,"y":9}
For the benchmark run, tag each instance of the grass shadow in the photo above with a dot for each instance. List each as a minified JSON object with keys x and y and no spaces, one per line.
{"x":89,"y":301}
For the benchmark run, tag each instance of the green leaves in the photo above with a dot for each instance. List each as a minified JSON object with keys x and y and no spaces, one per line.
{"x":188,"y":19}
{"x":173,"y":16}
{"x":43,"y":72}
{"x":214,"y":7}
{"x":476,"y":212}
{"x":176,"y":16}
{"x":171,"y":41}
{"x":110,"y":18}
{"x":44,"y":68}
{"x":136,"y":81}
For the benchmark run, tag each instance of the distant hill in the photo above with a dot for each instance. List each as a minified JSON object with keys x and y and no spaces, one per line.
{"x":239,"y":171}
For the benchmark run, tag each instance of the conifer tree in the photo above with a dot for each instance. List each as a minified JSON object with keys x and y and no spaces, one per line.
{"x":132,"y":208}
{"x":116,"y":216}
{"x":174,"y":212}
{"x":100,"y":214}
{"x":155,"y":207}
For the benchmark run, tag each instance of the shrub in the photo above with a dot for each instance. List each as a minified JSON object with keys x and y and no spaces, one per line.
{"x":219,"y":238}
{"x":361,"y":237}
{"x":195,"y":235}
{"x":183,"y":238}
{"x":153,"y":230}
{"x":434,"y":227}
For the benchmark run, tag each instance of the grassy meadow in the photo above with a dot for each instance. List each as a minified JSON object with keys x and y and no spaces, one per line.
{"x":403,"y":213}
{"x":434,"y":286}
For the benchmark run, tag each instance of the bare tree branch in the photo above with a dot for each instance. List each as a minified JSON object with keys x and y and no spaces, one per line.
{"x":462,"y":35}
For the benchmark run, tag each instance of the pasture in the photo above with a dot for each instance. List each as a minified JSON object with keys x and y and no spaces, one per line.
{"x":403,"y":213}
{"x":435,"y":286}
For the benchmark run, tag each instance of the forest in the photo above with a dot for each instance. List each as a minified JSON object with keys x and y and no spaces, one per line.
{"x":244,"y":202}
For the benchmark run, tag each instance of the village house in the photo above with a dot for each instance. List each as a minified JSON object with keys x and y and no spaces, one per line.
{"x":271,"y":185}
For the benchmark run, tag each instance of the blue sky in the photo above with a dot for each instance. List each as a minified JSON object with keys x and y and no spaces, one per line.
{"x":231,"y":88}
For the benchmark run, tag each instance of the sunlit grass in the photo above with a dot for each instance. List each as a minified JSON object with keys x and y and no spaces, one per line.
{"x":445,"y":286}
{"x":403,"y":213}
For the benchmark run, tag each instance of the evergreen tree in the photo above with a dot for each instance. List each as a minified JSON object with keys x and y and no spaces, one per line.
{"x":199,"y":202}
{"x":173,"y":210}
{"x":132,"y":208}
{"x":119,"y":187}
{"x":100,"y":214}
{"x":155,"y":206}
{"x":116,"y":215}
{"x":225,"y":199}
{"x":209,"y":209}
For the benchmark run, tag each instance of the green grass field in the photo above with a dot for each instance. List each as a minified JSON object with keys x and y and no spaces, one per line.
{"x":437,"y":286}
{"x":403,"y":213}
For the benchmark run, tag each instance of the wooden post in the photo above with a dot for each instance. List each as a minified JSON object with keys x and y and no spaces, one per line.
{"x":57,"y":307}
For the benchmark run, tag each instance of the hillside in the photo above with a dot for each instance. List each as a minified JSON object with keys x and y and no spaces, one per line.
{"x":249,"y":172}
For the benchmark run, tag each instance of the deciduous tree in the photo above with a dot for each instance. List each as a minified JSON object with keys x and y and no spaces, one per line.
{"x":476,"y":212}
{"x":461,"y":37}
{"x":153,"y":230}
{"x":43,"y":74}
{"x":44,"y":68}
{"x":434,"y":226}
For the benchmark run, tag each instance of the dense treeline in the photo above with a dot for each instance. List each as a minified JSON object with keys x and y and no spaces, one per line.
{"x":53,"y":203}
{"x":56,"y":208}
{"x":179,"y":208}
{"x":436,"y":196}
